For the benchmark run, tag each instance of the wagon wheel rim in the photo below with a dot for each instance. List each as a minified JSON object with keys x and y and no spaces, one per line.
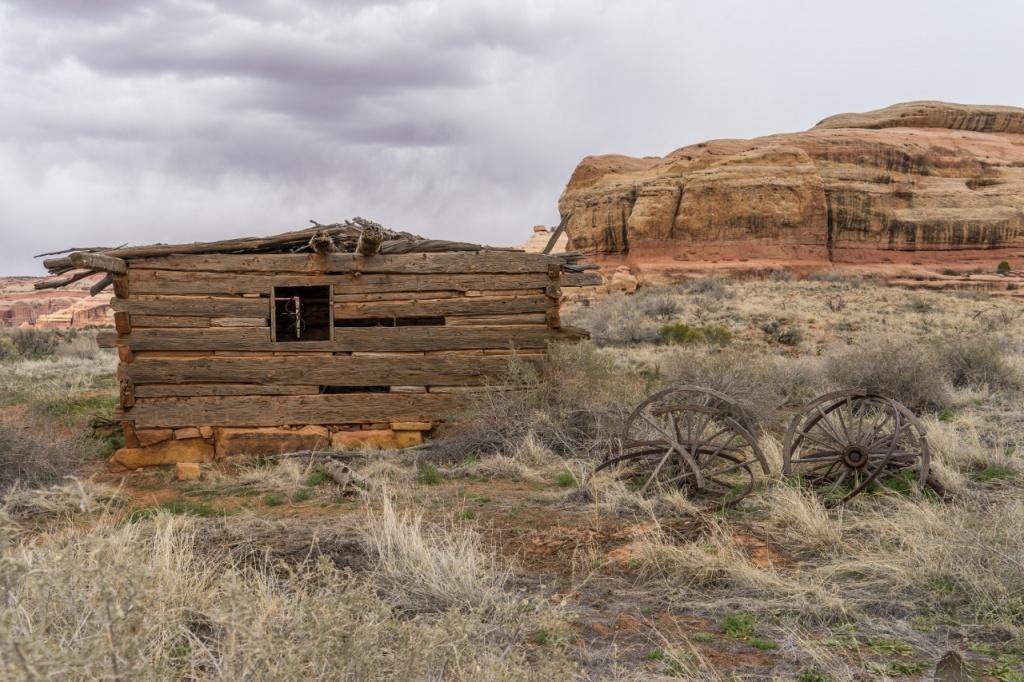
{"x":855,"y":439}
{"x":691,"y":396}
{"x":686,"y":438}
{"x":726,"y":477}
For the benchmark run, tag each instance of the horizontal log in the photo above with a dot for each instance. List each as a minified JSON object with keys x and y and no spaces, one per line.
{"x":176,"y":390}
{"x":495,"y":320}
{"x":341,"y":408}
{"x":194,"y":306}
{"x":238,"y":322}
{"x":175,"y":282}
{"x":106,"y":339}
{"x":195,"y":321}
{"x":97,"y":261}
{"x":580,"y":279}
{"x":400,"y":296}
{"x":336,"y":370}
{"x":349,"y":339}
{"x":505,"y":305}
{"x":163,"y":321}
{"x":508,"y":262}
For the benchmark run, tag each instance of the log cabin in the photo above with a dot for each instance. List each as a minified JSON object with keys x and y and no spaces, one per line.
{"x":336,"y":336}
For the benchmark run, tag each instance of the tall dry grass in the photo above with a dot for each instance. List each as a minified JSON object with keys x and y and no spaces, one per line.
{"x":140,"y":601}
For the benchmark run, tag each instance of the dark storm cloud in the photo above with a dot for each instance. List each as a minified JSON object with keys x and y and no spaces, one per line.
{"x":171,"y":120}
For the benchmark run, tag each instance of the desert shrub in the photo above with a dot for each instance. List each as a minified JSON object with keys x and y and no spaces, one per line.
{"x":713,"y":288}
{"x":34,"y":451}
{"x":976,"y":361}
{"x":910,"y":372}
{"x":573,"y":403}
{"x":1003,"y":268}
{"x":616,"y":321}
{"x":782,"y":333}
{"x":761,"y":385}
{"x":683,"y":334}
{"x":661,"y":304}
{"x":29,"y":344}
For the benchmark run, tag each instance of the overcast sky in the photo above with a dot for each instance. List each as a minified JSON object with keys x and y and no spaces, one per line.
{"x":182,"y":120}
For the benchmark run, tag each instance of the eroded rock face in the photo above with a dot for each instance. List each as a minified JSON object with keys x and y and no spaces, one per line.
{"x":920,"y":177}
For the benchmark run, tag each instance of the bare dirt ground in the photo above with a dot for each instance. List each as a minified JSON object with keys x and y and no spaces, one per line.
{"x":498,"y":555}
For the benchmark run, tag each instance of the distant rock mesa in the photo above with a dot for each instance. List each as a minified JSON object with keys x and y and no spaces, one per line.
{"x":920,"y":180}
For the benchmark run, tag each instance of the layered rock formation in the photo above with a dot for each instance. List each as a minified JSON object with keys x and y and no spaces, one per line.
{"x":21,"y":305}
{"x":917,"y":180}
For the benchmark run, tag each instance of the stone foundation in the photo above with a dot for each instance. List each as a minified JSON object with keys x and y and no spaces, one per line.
{"x":154,"y":447}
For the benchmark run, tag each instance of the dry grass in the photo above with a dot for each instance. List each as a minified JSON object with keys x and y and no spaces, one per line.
{"x":450,"y":577}
{"x":138,"y":601}
{"x":432,"y":569}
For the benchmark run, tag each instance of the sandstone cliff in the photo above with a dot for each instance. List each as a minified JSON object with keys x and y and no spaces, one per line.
{"x":914,"y":180}
{"x":21,"y":305}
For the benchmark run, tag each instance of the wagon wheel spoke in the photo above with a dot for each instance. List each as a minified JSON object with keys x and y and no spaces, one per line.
{"x":854,"y":441}
{"x":681,"y":436}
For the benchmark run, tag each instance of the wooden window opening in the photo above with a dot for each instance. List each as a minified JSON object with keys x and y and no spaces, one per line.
{"x":302,"y":313}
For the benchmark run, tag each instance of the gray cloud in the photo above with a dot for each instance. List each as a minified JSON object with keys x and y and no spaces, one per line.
{"x":198,"y":119}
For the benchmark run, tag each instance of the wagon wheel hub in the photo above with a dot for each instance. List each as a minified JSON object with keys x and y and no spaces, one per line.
{"x":844,"y":443}
{"x":855,"y":457}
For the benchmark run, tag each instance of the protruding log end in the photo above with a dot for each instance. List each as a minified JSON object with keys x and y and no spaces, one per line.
{"x":370,"y":240}
{"x":323,"y":243}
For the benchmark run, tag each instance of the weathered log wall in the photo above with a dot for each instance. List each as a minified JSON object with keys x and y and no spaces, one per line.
{"x":199,"y":360}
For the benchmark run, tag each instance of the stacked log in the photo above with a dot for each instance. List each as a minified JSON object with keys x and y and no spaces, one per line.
{"x":411,"y":334}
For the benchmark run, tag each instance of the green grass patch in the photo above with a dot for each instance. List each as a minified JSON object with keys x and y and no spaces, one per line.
{"x":180,"y":507}
{"x":890,"y":647}
{"x":679,"y":333}
{"x":467,"y":515}
{"x":763,"y":644}
{"x":739,"y":625}
{"x":273,"y":500}
{"x":565,"y":479}
{"x":993,"y":473}
{"x":316,"y":477}
{"x":73,"y":408}
{"x":302,"y":495}
{"x":428,"y":474}
{"x":813,"y":675}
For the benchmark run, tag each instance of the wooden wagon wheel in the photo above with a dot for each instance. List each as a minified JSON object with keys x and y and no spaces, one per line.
{"x":842,"y":443}
{"x":687,"y":438}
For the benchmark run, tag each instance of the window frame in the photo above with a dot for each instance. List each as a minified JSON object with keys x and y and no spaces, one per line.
{"x":273,"y":309}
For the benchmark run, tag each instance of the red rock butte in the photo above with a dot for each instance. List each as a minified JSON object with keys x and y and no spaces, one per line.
{"x":914,"y":183}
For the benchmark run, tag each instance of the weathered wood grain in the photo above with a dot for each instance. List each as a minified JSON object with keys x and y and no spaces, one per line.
{"x":505,"y":305}
{"x":242,"y":411}
{"x":182,"y":282}
{"x":498,"y":262}
{"x":177,"y":390}
{"x":185,"y":306}
{"x":163,"y":321}
{"x":335,"y":370}
{"x":122,"y":323}
{"x":106,"y":339}
{"x":97,"y":261}
{"x":349,"y":339}
{"x":492,"y":320}
{"x":403,"y":296}
{"x":238,"y":322}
